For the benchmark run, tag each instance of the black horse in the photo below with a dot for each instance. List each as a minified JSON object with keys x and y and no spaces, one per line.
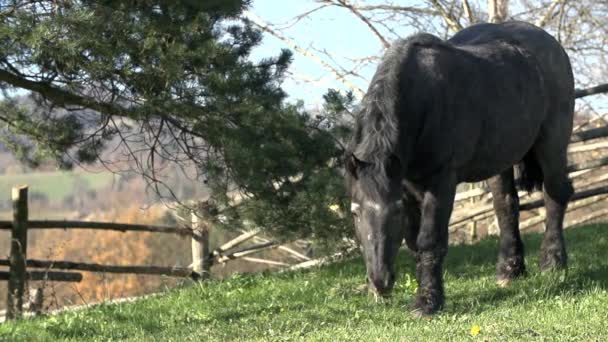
{"x":438,"y":113}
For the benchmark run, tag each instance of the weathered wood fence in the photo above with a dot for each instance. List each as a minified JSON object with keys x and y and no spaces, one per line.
{"x":203,"y":257}
{"x":473,"y":209}
{"x":588,"y":169}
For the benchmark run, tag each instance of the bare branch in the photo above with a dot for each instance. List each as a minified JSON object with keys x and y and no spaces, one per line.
{"x":301,"y":16}
{"x":498,"y":10}
{"x":602,"y":88}
{"x":346,"y":4}
{"x":467,"y":11}
{"x":542,"y":21}
{"x":449,"y":19}
{"x":414,"y":10}
{"x":266,"y":28}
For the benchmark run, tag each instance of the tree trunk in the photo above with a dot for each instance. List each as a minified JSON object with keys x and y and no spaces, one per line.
{"x":498,"y":10}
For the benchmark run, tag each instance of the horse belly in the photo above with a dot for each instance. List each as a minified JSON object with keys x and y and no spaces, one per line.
{"x":501,"y":145}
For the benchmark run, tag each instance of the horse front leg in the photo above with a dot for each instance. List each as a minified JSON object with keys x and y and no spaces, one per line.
{"x":432,"y":243}
{"x":411,"y":207}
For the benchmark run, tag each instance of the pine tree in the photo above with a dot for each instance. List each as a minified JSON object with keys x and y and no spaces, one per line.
{"x":169,"y":82}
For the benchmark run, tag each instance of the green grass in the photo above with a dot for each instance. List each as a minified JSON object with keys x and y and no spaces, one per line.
{"x":324,"y":304}
{"x":55,"y":185}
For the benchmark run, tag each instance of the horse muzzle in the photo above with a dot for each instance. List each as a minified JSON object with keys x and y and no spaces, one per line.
{"x":382,"y":285}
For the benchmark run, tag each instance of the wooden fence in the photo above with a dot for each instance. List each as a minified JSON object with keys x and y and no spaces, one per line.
{"x":473,"y":209}
{"x":588,"y":169}
{"x":203,"y":257}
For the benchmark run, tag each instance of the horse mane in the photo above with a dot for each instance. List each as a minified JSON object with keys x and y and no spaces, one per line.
{"x":377,"y":124}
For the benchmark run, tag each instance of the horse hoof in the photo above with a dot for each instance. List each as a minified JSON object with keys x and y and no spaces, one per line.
{"x":362,"y":288}
{"x":553,"y":260}
{"x":508,"y":270}
{"x":426,"y":305}
{"x":419,"y":314}
{"x":503,"y":282}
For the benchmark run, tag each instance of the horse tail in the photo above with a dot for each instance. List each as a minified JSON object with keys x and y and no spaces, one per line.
{"x":531,"y":175}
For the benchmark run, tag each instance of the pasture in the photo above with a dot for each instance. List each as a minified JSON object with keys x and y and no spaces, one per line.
{"x":57,"y":185}
{"x":54,"y":186}
{"x":328,"y":304}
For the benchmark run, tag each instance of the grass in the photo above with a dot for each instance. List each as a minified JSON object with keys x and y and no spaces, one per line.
{"x":325,"y":304}
{"x":55,"y":185}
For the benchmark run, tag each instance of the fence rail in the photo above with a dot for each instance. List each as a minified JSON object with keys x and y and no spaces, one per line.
{"x":121,"y":227}
{"x":46,"y":275}
{"x":588,"y":151}
{"x":202,"y":256}
{"x":472,"y":206}
{"x":91,"y":267}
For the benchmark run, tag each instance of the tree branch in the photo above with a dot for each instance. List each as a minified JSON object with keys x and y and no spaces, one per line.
{"x":257,"y":21}
{"x":415,"y":10}
{"x":542,"y":21}
{"x":449,"y":19}
{"x":367,"y":22}
{"x":602,"y":88}
{"x":65,"y":98}
{"x":497,"y":10}
{"x":59,"y":96}
{"x":467,"y":11}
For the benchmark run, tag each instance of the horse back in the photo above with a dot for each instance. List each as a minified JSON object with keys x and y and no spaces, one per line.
{"x":476,"y":99}
{"x":492,"y":90}
{"x":552,"y":58}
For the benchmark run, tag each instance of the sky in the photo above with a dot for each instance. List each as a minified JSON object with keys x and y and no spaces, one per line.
{"x":331,"y":28}
{"x":335,"y":30}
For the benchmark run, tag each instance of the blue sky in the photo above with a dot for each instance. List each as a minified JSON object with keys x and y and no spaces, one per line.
{"x":336,"y":30}
{"x":331,"y":28}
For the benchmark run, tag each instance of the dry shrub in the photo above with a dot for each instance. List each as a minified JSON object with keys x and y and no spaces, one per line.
{"x":101,"y":247}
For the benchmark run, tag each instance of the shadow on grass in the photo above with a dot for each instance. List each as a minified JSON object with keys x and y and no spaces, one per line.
{"x":584,"y":246}
{"x":587,"y":268}
{"x":465,"y":264}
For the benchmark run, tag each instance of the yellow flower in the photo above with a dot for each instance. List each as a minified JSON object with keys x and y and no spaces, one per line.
{"x":475,"y":330}
{"x":334,"y":207}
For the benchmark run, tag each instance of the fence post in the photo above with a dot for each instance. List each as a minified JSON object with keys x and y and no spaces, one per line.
{"x":201,"y":252}
{"x":18,"y":256}
{"x":36,"y":301}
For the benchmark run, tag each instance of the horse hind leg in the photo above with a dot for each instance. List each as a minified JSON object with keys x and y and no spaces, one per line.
{"x":557,"y":190}
{"x":506,"y":206}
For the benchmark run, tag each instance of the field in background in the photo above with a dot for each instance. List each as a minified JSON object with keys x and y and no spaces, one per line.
{"x":101,"y":199}
{"x":327,"y":304}
{"x":58,"y":185}
{"x":91,"y":196}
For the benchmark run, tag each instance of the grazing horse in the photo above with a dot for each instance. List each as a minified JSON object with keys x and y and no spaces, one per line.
{"x":437,"y":113}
